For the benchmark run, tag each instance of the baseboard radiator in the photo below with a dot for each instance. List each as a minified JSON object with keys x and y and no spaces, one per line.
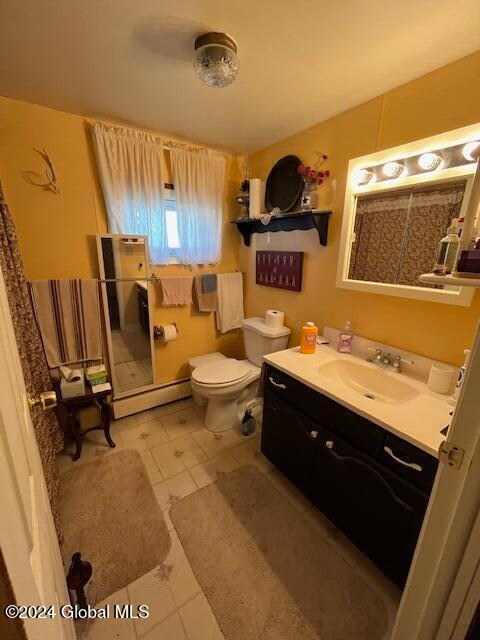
{"x":152,"y":398}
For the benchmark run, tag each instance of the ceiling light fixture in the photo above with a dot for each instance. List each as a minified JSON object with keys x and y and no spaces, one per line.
{"x":215,"y":59}
{"x":392,"y":169}
{"x":471,"y":151}
{"x":429,"y":161}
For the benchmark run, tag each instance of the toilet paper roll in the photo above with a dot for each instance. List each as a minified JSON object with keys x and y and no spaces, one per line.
{"x":168,"y":332}
{"x":71,"y":375}
{"x":256,"y":197}
{"x":274,"y":318}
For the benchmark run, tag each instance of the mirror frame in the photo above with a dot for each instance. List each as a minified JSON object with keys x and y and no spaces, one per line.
{"x":461,"y":296}
{"x":106,"y":314}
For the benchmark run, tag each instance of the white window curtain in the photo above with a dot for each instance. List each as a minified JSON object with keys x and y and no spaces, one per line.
{"x":131,"y":171}
{"x":199,"y":178}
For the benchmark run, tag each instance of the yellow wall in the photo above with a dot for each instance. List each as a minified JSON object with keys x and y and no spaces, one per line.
{"x":445,"y":99}
{"x":57,"y":232}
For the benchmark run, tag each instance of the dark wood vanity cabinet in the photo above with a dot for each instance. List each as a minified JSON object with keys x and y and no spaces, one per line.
{"x":374,"y":486}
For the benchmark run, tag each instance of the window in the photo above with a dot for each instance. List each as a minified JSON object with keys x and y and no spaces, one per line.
{"x":171,"y":221}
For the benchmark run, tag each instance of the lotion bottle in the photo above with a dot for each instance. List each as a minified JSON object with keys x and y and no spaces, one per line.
{"x":308,"y":339}
{"x":345,"y":338}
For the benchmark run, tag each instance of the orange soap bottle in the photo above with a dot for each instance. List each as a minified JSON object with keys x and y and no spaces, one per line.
{"x":308,"y":339}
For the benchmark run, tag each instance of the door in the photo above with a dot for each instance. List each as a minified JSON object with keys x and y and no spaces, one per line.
{"x":430,"y":603}
{"x":376,"y":509}
{"x":27,"y":533}
{"x":289,"y":441}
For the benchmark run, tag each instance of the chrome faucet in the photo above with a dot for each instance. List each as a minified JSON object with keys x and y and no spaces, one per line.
{"x":390,"y":361}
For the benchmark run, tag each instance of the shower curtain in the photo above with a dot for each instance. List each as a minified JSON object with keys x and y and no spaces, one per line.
{"x":34,"y":364}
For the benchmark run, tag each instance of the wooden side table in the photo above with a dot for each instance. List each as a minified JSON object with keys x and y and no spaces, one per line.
{"x":71,"y":408}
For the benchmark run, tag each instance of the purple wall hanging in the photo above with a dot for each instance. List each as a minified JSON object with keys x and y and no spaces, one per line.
{"x":280,"y":269}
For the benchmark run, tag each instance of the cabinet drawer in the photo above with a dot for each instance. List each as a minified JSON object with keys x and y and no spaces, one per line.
{"x":326,"y":412}
{"x":409,"y":462}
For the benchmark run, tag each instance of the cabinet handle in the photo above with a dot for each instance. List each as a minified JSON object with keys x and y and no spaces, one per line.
{"x":329,"y":444}
{"x":412,"y":465}
{"x":314,"y":434}
{"x":361,"y":463}
{"x":277,"y":384}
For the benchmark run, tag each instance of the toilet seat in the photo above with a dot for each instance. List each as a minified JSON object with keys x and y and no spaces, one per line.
{"x":221,"y":373}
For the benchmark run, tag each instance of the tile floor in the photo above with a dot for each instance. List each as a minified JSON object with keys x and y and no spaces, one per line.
{"x":180,"y":457}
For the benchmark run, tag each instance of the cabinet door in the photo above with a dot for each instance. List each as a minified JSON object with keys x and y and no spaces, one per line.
{"x":379,"y":512}
{"x":289,"y":440}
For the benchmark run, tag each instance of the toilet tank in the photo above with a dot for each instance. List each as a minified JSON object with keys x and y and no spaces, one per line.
{"x":259,"y":340}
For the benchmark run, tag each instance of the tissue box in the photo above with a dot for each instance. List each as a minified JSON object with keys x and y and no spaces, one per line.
{"x":97,"y":375}
{"x":72,"y":389}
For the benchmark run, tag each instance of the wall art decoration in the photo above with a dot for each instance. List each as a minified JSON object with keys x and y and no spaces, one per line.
{"x":280,"y":269}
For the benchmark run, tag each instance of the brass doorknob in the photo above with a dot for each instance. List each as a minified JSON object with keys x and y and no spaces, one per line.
{"x":47,"y":401}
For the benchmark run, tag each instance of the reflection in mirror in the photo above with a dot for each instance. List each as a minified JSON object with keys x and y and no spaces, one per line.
{"x":125,"y":264}
{"x":396,"y":233}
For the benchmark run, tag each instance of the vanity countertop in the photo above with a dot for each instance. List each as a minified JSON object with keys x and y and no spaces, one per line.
{"x":417,"y":419}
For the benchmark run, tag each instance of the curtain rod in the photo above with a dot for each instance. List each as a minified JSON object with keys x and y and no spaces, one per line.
{"x":168,"y":143}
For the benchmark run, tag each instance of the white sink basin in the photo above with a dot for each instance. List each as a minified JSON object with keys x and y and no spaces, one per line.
{"x":371,"y":382}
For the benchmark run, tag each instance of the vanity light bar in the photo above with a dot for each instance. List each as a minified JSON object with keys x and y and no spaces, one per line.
{"x":455,"y":156}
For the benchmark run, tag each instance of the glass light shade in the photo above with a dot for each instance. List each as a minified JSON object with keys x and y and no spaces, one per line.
{"x":429,"y":161}
{"x":392,"y":169}
{"x":215,"y":59}
{"x":471,"y":151}
{"x":363,"y":176}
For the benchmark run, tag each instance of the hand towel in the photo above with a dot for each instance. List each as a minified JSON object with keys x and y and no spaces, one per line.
{"x":177,"y":291}
{"x":68,"y":316}
{"x":206,"y":301}
{"x":229,"y":301}
{"x":209,"y":282}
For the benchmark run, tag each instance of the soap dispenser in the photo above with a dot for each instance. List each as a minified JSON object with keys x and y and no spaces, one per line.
{"x":345,"y":338}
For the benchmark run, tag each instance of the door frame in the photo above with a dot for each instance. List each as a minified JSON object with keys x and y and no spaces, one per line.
{"x":429,"y":603}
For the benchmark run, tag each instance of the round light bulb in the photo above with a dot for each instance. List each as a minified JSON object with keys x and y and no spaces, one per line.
{"x":363,"y":176}
{"x":471,"y":151}
{"x":392,"y":169}
{"x":429,"y":161}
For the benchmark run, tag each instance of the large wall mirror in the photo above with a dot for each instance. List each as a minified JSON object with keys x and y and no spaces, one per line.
{"x":398,"y":206}
{"x":124,"y":271}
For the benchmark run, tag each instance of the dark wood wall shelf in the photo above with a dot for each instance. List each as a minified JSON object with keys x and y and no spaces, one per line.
{"x":293,"y":221}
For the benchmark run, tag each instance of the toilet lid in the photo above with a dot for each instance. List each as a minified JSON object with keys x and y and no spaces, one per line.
{"x":221,"y":372}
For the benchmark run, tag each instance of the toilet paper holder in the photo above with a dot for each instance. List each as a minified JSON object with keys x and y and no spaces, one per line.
{"x":157,"y":331}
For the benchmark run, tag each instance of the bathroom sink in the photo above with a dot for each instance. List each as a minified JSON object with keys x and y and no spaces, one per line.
{"x":369,"y":381}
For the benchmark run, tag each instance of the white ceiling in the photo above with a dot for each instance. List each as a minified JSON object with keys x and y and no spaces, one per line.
{"x":301,"y":61}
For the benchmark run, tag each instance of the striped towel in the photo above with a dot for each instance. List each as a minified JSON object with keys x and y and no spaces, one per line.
{"x":68,"y":316}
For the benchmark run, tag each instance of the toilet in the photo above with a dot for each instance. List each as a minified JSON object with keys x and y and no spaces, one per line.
{"x":227,"y":385}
